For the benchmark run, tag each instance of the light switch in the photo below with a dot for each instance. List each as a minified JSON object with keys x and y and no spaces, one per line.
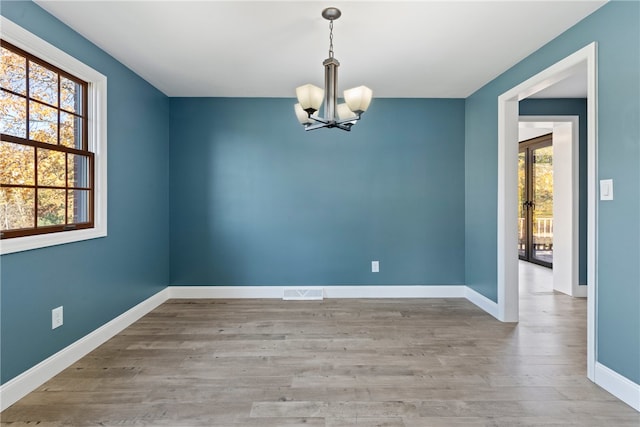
{"x":606,"y":189}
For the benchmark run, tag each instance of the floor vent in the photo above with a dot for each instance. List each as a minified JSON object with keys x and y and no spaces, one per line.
{"x":300,"y":294}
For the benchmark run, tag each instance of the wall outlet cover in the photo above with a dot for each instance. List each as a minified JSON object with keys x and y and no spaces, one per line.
{"x":56,"y":317}
{"x":375,"y":266}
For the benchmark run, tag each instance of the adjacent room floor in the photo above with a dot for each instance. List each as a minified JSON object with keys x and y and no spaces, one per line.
{"x":386,"y":362}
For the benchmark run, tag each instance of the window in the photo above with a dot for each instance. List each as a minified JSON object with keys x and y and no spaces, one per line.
{"x":52,"y":145}
{"x":46,"y":168}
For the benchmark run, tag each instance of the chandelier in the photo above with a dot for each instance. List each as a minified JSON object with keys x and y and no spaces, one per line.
{"x":341,"y":116}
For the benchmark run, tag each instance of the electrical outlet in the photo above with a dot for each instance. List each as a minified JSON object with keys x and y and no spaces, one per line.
{"x":375,"y":266}
{"x":56,"y":317}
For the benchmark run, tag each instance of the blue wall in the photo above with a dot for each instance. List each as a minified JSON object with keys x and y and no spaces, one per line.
{"x":99,"y":279}
{"x":615,"y":27}
{"x":569,"y":107}
{"x":256,"y":200}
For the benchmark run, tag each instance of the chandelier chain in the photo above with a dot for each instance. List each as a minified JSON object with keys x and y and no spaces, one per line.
{"x":331,"y":38}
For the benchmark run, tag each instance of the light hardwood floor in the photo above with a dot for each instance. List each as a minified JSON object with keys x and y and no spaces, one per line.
{"x":391,"y":362}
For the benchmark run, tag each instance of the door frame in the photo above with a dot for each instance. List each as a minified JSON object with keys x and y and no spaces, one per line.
{"x":507,"y":221}
{"x":528,"y":146}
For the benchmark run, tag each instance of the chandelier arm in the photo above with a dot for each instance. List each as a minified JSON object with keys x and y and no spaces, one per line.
{"x":321,"y":126}
{"x":319,"y":119}
{"x":352,"y":119}
{"x":346,"y":127}
{"x":316,"y":126}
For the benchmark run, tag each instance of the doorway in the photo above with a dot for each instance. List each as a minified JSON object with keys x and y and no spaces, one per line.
{"x":582,"y":61}
{"x":535,"y":200}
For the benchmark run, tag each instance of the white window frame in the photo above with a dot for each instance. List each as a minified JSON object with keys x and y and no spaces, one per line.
{"x":97,"y":143}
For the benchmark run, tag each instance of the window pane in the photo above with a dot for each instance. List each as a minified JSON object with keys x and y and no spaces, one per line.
{"x":70,"y":131}
{"x":13,"y":115}
{"x":78,"y":206}
{"x":43,"y":123}
{"x":51,"y":206}
{"x":43,"y":84}
{"x":70,"y":95}
{"x":51,"y":168}
{"x":16,"y":164}
{"x":16,"y":208}
{"x":13,"y":72}
{"x":78,"y":171}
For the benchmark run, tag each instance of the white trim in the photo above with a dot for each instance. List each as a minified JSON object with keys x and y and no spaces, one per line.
{"x":225,"y":292}
{"x":507,"y":215}
{"x":507,"y":273}
{"x":240,"y":292}
{"x":621,"y":387}
{"x":483,"y":302}
{"x":97,"y":112}
{"x":592,"y":206}
{"x":581,"y":291}
{"x":448,"y":291}
{"x":20,"y":386}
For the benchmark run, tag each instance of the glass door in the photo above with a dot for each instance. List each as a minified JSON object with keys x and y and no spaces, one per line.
{"x":535,"y":200}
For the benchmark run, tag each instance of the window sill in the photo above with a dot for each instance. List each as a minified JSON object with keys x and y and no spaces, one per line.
{"x":20,"y":244}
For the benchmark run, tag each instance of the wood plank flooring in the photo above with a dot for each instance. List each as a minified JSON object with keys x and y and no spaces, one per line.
{"x":391,"y":362}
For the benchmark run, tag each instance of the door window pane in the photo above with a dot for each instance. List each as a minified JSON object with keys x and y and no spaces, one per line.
{"x":522,"y":208}
{"x":542,"y":187}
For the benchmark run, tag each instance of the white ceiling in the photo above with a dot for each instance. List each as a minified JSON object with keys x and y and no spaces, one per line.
{"x":415,"y":49}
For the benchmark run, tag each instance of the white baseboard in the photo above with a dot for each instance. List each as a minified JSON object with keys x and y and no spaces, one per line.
{"x":449,"y":291}
{"x":25,"y":383}
{"x":225,"y":292}
{"x":234,"y":292}
{"x":580,"y":291}
{"x":481,"y":301}
{"x":621,"y":387}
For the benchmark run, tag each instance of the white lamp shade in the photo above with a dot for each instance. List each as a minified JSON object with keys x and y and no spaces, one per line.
{"x":310,"y":97}
{"x":344,"y":113}
{"x":358,"y":98}
{"x":302,"y":115}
